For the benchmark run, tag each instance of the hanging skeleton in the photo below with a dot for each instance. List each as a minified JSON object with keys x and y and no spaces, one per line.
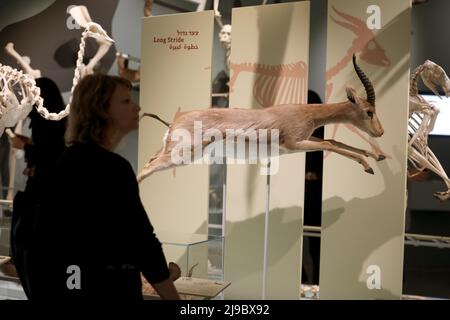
{"x":422,"y":118}
{"x":224,"y":35}
{"x":15,"y":154}
{"x":15,"y":85}
{"x":225,"y":40}
{"x":18,"y":94}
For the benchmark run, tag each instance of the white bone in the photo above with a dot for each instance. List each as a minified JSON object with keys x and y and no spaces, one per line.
{"x":14,"y":108}
{"x":12,"y":111}
{"x":422,"y":118}
{"x":22,"y":61}
{"x":81,"y":15}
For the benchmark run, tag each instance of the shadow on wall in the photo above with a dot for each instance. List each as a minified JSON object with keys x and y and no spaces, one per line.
{"x":265,"y":44}
{"x":246,"y":268}
{"x":383,"y":233}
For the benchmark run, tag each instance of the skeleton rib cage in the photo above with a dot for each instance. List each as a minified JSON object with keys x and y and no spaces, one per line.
{"x":422,"y":117}
{"x":275,"y":85}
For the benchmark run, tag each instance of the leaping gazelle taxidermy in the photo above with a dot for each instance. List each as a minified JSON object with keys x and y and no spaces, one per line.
{"x":295,"y":124}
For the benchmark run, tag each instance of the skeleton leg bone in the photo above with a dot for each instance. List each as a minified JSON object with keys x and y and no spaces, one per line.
{"x":431,"y":163}
{"x":34,"y":73}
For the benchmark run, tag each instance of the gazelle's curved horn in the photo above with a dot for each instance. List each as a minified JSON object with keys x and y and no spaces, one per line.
{"x":366,"y":83}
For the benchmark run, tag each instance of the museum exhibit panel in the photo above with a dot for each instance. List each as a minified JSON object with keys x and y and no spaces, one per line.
{"x":372,"y":205}
{"x":225,"y":125}
{"x":262,"y":77}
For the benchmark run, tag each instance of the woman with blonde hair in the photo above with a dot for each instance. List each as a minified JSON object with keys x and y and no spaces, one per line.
{"x":94,"y":230}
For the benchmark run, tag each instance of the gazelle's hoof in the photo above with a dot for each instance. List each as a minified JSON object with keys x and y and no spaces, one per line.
{"x":443,"y":196}
{"x":381,"y":157}
{"x":370,"y":170}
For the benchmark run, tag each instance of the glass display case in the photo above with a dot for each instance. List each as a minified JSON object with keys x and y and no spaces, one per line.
{"x":190,"y":252}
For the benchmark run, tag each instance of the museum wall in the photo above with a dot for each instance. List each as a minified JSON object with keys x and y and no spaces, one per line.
{"x":430,"y":34}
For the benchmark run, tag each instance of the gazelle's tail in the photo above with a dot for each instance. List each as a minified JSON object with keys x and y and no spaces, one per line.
{"x":156,"y":117}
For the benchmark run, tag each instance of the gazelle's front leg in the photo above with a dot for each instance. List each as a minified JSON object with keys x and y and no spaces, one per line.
{"x":320,"y":145}
{"x":365,"y":153}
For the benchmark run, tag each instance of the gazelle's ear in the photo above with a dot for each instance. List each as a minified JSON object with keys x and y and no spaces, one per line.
{"x":351,"y":93}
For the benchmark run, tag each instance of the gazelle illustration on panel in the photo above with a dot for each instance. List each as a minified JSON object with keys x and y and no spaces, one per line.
{"x":274,"y":85}
{"x":369,"y":50}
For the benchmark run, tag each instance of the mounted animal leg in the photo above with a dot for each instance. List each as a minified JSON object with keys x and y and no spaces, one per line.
{"x":308,"y":145}
{"x":365,"y":153}
{"x":378,"y":152}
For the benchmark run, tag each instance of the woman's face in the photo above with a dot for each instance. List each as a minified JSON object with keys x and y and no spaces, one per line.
{"x":123,"y":111}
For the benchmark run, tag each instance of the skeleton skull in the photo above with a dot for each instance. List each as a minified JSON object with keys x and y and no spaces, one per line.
{"x":225,"y":35}
{"x":433,"y":76}
{"x":225,"y":39}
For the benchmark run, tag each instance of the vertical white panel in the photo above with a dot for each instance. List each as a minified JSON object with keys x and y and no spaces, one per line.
{"x":175,"y":74}
{"x":269,"y":55}
{"x":363,"y":214}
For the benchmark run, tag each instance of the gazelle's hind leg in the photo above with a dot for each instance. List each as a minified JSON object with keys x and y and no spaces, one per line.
{"x":160,"y":163}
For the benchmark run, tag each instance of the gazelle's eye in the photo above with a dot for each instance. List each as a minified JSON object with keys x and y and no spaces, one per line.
{"x":370,"y":114}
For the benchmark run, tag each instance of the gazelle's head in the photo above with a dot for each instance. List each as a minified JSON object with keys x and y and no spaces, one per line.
{"x":364,"y":116}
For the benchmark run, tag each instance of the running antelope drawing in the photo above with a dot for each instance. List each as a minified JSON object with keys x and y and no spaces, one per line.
{"x":295,"y":123}
{"x":369,"y":51}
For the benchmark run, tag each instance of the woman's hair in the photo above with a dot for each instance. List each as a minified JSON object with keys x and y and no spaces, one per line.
{"x":88,"y":118}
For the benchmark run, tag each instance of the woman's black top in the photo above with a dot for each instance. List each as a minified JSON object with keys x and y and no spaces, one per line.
{"x":92,"y":235}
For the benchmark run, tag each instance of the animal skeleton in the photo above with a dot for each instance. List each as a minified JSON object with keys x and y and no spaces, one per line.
{"x":24,"y":62}
{"x":16,"y":86}
{"x":224,"y":34}
{"x":422,"y":118}
{"x":295,"y":122}
{"x":14,"y":153}
{"x":11,"y":110}
{"x":225,"y":40}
